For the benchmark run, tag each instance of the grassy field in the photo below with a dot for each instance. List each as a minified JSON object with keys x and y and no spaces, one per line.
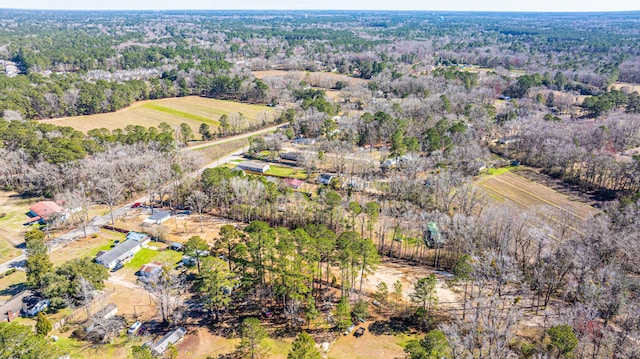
{"x":13,"y":209}
{"x":192,"y":110}
{"x":87,"y":247}
{"x":506,"y":185}
{"x":147,"y":255}
{"x":281,"y":171}
{"x":12,"y":284}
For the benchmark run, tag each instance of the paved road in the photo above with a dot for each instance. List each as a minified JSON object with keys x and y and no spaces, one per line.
{"x":94,"y":225}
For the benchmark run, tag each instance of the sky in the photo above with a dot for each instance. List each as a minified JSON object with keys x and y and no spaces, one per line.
{"x":429,"y":5}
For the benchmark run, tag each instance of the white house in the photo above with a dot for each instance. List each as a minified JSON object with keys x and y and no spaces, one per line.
{"x":123,"y":251}
{"x":158,"y":217}
{"x":174,"y":336}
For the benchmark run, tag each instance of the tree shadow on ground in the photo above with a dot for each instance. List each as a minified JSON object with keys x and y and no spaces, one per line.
{"x":393,"y":326}
{"x":13,"y":289}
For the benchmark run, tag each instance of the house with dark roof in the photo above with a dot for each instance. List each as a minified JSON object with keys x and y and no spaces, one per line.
{"x":174,"y":336}
{"x":11,"y":308}
{"x":289,"y":156}
{"x":33,"y":304}
{"x":325,"y":178}
{"x":123,"y":251}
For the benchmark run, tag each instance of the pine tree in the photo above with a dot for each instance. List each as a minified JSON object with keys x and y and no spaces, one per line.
{"x":43,"y":325}
{"x":304,"y":347}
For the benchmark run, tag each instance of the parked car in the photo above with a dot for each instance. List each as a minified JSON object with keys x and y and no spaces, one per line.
{"x":134,"y":328}
{"x":350,"y":329}
{"x":117,"y":267}
{"x":359,"y":332}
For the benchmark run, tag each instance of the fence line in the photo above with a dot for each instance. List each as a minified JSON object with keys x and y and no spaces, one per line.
{"x":99,"y":299}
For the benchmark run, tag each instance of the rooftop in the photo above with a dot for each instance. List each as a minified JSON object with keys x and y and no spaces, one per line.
{"x":118,"y":251}
{"x":45,"y":209}
{"x":170,"y":338}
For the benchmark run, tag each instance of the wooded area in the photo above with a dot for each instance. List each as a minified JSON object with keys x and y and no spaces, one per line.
{"x":418,"y":161}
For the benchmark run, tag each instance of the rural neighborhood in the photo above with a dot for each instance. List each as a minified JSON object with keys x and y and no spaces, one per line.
{"x":319,"y":184}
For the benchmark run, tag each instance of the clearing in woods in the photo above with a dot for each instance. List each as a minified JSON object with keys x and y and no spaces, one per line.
{"x":526,"y":193}
{"x":192,"y":110}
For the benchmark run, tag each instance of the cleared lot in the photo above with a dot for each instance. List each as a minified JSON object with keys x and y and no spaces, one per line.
{"x":192,"y":110}
{"x":526,"y":193}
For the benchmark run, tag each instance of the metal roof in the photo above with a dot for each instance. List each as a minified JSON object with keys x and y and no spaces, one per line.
{"x":170,"y":338}
{"x":120,"y":252}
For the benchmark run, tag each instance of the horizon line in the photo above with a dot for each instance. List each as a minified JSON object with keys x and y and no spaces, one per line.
{"x":338,"y":10}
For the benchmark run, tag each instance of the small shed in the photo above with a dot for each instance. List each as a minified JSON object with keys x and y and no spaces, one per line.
{"x":175,"y":246}
{"x":158,"y":217}
{"x":150,"y":269}
{"x":289,"y":156}
{"x":174,"y":336}
{"x":293,"y":182}
{"x":254,"y":166}
{"x":325,"y":178}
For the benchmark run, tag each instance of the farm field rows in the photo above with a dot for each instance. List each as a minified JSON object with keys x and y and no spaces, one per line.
{"x":192,"y":110}
{"x":517,"y":189}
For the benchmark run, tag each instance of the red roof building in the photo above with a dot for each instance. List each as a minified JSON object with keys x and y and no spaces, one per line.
{"x":45,"y":209}
{"x":294,"y":182}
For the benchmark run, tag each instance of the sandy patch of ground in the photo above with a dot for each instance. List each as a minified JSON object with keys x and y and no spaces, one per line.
{"x":367,"y":346}
{"x":625,"y":86}
{"x":391,"y":270}
{"x":202,"y":343}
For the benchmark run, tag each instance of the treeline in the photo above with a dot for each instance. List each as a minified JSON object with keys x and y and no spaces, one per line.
{"x":37,"y":97}
{"x":581,"y":153}
{"x":63,"y":144}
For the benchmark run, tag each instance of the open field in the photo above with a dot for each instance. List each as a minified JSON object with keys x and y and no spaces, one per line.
{"x":11,"y":284}
{"x":369,"y":345}
{"x":526,"y":193}
{"x":13,"y":209}
{"x":192,"y":110}
{"x":620,"y":85}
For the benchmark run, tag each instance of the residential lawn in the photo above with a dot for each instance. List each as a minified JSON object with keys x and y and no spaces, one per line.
{"x":87,"y":247}
{"x":13,"y":214}
{"x":12,"y":284}
{"x":276,"y":348}
{"x":280,"y":171}
{"x":146,"y":255}
{"x":119,"y":348}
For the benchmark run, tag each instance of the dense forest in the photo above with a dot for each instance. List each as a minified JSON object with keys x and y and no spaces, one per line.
{"x":408,"y":111}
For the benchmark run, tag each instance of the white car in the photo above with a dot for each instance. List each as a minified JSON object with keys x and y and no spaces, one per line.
{"x":134,"y":328}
